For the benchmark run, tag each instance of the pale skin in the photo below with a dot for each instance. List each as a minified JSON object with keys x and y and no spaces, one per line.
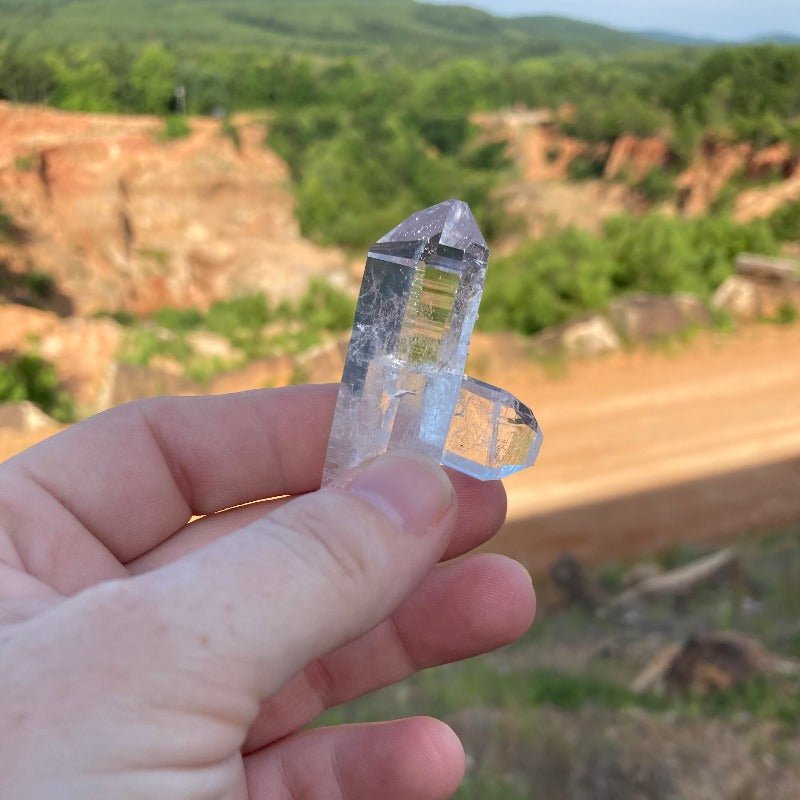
{"x":145,"y":656}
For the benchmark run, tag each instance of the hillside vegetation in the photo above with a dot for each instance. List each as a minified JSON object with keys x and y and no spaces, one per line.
{"x":402,"y":29}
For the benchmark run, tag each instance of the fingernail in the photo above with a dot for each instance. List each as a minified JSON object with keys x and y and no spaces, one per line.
{"x":411,"y":490}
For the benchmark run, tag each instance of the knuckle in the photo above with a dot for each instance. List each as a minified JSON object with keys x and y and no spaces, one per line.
{"x":344,"y":543}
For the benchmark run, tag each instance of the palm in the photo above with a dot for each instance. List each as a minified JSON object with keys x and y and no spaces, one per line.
{"x":114,"y":498}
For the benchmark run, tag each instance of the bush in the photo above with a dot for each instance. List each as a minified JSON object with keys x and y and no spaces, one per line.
{"x":175,"y":127}
{"x":585,"y":168}
{"x":28,"y":377}
{"x":548,"y":281}
{"x":7,"y":227}
{"x":785,"y":222}
{"x":657,"y":185}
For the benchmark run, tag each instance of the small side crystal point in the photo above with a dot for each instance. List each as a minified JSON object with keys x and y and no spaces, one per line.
{"x":403,"y":385}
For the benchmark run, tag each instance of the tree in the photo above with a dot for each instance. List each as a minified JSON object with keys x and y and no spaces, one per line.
{"x":153,"y":79}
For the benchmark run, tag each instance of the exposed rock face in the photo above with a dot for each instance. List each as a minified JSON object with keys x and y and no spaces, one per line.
{"x":779,"y":160}
{"x":700,"y":185}
{"x":127,"y":382}
{"x":121,"y":219}
{"x":589,"y":335}
{"x":636,"y":157}
{"x":641,"y":317}
{"x":761,"y":288}
{"x":24,"y":417}
{"x":82,"y":350}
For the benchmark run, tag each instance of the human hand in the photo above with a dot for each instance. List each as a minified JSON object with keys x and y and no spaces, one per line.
{"x":146,"y":656}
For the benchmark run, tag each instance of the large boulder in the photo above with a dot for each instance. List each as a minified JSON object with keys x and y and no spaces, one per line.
{"x":645,"y":317}
{"x":762,"y":287}
{"x":588,"y":335}
{"x":24,"y":417}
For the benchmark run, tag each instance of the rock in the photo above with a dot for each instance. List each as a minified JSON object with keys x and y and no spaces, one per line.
{"x":82,"y":350}
{"x":762,"y":287}
{"x":128,"y":382}
{"x":264,"y":373}
{"x":714,"y":166}
{"x":636,"y":156}
{"x":777,"y":160}
{"x":575,"y":583}
{"x":122,"y":220}
{"x":24,"y":417}
{"x":644,"y":317}
{"x":212,"y":345}
{"x":588,"y":335}
{"x":739,"y":297}
{"x":768,"y":270}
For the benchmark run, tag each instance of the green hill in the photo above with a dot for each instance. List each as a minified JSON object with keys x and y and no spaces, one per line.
{"x":377,"y":28}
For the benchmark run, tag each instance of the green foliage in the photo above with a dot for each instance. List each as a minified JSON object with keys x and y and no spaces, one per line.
{"x":230,"y":131}
{"x":177,"y":319}
{"x":604,"y":119}
{"x":657,"y":185}
{"x":377,"y":29}
{"x":562,"y":275}
{"x":321,"y":308}
{"x":152,"y":79}
{"x":241,"y":320}
{"x":787,"y":314}
{"x":254,"y":327}
{"x":81,"y":81}
{"x":28,"y":377}
{"x":585,"y":168}
{"x":175,"y":127}
{"x":7,"y":227}
{"x":27,"y":163}
{"x":40,"y":284}
{"x":785,"y":222}
{"x":142,"y":345}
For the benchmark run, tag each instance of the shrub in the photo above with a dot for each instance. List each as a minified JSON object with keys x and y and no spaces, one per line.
{"x":175,"y":127}
{"x":548,"y":281}
{"x":584,"y":168}
{"x":28,"y":377}
{"x":657,"y":185}
{"x":7,"y":227}
{"x":785,"y":222}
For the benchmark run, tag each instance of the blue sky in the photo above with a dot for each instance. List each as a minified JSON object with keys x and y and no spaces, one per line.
{"x":719,"y":19}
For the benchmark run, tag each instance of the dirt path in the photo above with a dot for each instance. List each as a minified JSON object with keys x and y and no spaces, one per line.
{"x":646,"y":448}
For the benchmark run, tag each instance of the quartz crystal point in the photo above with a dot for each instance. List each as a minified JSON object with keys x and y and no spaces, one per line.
{"x":403,"y":385}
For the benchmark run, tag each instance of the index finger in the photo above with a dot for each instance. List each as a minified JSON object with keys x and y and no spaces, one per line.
{"x":135,"y":475}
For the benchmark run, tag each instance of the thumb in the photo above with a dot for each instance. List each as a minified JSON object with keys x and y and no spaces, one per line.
{"x":315,"y":574}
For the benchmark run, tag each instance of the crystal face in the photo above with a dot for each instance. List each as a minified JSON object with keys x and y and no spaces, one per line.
{"x":403,"y":385}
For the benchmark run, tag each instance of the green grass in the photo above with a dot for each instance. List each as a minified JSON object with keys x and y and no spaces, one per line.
{"x":254,"y":327}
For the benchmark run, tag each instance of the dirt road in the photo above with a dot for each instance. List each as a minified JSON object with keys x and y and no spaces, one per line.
{"x":648,"y":447}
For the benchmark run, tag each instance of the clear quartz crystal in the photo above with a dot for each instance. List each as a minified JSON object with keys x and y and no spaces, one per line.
{"x":403,"y":385}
